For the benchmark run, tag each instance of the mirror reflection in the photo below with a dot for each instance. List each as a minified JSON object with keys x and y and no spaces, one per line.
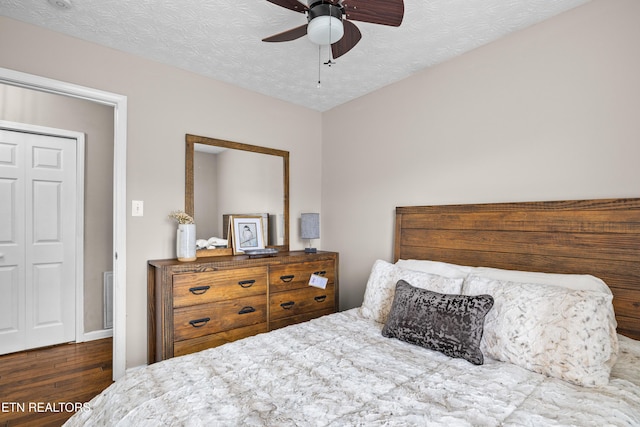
{"x":226,"y":178}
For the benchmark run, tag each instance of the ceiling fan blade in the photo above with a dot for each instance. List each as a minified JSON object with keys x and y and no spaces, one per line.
{"x":350,"y":38}
{"x":294,"y":5}
{"x":383,"y":12}
{"x":287,"y":36}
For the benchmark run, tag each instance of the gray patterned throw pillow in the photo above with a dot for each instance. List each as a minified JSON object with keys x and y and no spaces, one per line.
{"x":450,"y":324}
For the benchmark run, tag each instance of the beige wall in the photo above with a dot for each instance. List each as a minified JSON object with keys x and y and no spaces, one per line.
{"x":205,"y":195}
{"x":96,"y":122}
{"x":545,"y":114}
{"x":235,"y":182}
{"x":251,"y":183}
{"x":164,"y":104}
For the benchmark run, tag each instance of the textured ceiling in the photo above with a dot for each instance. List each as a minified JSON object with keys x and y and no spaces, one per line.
{"x":222,"y":39}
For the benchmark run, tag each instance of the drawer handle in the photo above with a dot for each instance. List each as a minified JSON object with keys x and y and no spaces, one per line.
{"x":320,"y":298}
{"x":320,"y":273}
{"x":199,"y":323}
{"x":287,"y":278}
{"x":246,"y":310}
{"x":199,"y":290}
{"x":246,"y":283}
{"x":287,"y":305}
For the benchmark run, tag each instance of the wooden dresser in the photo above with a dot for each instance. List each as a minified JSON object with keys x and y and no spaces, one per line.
{"x":211,"y":301}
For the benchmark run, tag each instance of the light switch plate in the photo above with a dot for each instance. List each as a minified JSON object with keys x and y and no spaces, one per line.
{"x":137,"y":208}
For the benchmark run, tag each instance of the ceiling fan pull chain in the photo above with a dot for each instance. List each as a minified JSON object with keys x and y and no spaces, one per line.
{"x":319,"y":62}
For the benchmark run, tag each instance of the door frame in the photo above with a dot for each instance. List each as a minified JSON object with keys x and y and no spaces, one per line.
{"x":119,"y":104}
{"x":79,"y":137}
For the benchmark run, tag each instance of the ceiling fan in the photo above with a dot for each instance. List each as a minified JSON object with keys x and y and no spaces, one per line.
{"x":329,"y":21}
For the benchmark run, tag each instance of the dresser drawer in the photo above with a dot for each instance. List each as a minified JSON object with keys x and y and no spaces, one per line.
{"x":298,"y":301}
{"x":204,"y":287}
{"x":286,"y":321}
{"x":205,"y":319}
{"x":296,"y":276}
{"x":200,"y":343}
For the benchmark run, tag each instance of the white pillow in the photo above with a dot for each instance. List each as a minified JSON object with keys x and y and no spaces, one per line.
{"x":584,"y":282}
{"x":445,"y":269}
{"x":559,"y":332}
{"x":381,"y":286}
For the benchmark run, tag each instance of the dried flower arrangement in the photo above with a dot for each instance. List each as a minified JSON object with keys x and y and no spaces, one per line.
{"x":181,"y":217}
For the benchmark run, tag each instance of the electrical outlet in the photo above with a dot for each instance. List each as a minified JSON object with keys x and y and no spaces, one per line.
{"x":137,"y":207}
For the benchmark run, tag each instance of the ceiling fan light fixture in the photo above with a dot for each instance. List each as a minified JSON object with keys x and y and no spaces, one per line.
{"x":325,"y":30}
{"x":330,"y":22}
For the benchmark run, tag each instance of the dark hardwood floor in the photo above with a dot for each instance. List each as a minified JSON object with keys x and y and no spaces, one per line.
{"x":43,"y":387}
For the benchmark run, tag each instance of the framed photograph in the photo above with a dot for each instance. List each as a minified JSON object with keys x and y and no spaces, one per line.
{"x":226,"y":229}
{"x":247,"y":232}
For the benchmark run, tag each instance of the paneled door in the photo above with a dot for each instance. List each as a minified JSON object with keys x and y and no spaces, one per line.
{"x":38,"y":242}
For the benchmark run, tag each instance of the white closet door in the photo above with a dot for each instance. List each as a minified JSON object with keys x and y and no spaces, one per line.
{"x":37,"y":240}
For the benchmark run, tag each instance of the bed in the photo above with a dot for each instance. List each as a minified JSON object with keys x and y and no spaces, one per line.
{"x":527,"y":347}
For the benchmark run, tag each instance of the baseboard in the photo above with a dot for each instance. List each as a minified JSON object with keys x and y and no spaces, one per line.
{"x":98,"y":335}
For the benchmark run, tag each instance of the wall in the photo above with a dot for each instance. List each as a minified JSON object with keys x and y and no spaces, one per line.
{"x":164,"y":104}
{"x":96,"y":122}
{"x":251,"y":183}
{"x":548,"y":113}
{"x":235,"y":182}
{"x":205,"y":195}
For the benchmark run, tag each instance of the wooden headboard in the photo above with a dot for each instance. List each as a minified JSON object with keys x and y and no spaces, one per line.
{"x":597,"y":237}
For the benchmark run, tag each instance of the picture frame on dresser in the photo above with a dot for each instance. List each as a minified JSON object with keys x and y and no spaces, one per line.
{"x":247,"y":232}
{"x":266,"y":225}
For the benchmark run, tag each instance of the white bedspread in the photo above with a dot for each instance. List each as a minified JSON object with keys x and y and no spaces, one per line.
{"x":340,"y":371}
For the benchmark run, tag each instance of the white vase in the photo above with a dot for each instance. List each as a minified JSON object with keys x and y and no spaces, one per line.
{"x":186,"y":242}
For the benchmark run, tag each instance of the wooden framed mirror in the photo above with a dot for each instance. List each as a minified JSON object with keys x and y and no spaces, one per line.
{"x":230,"y":178}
